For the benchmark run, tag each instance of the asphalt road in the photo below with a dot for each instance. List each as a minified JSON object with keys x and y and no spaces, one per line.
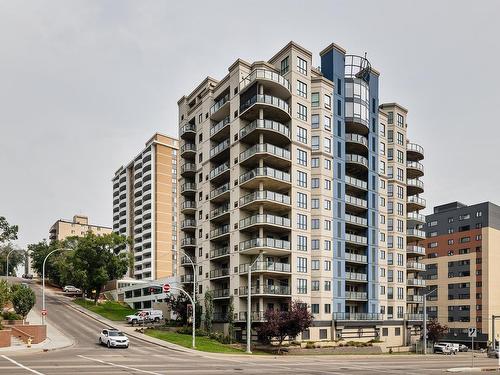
{"x":88,"y":358}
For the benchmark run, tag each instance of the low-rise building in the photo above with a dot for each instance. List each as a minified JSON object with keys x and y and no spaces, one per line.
{"x":79,"y":226}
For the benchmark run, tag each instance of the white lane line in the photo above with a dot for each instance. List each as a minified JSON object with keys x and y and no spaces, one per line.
{"x":22,"y":366}
{"x":120,"y":366}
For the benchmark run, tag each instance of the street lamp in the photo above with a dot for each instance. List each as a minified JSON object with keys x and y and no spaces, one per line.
{"x":194,"y":293}
{"x":425,"y":318}
{"x":43,"y":280}
{"x":249,"y":304}
{"x":7,"y":267}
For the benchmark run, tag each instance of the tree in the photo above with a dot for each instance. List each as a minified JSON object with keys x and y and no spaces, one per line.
{"x":38,"y":252}
{"x":282,"y":324}
{"x":23,"y":300}
{"x":230,"y":318}
{"x":5,"y":294}
{"x":209,"y":310}
{"x":93,"y":263}
{"x":15,"y":259}
{"x":436,"y":330}
{"x":7,"y":232}
{"x":178,"y":305}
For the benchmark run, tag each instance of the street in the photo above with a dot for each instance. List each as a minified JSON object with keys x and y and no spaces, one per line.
{"x":87,"y":357}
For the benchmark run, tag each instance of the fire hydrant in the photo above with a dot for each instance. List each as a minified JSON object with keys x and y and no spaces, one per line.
{"x":29,"y":342}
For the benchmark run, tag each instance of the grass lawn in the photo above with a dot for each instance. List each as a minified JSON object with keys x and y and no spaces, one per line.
{"x":202,"y":343}
{"x":109,"y":309}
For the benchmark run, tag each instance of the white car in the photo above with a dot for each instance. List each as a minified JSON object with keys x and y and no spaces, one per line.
{"x":113,"y":338}
{"x":444,"y":348}
{"x":71,"y":289}
{"x":492,"y":353}
{"x":144,"y":316}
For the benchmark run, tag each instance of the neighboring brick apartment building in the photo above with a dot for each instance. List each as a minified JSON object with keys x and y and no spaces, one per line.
{"x":79,"y":226}
{"x":463,"y":256}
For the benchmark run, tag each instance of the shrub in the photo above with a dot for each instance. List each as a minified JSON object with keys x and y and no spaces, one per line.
{"x":10,"y":315}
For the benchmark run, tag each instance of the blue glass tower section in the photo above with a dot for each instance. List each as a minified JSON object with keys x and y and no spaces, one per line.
{"x":355,"y":232}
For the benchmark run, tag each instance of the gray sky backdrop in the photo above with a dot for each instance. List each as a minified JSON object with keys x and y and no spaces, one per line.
{"x":83,"y":84}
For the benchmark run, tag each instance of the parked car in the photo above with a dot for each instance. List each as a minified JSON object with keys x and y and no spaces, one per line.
{"x":113,"y":338}
{"x":27,"y":276}
{"x":71,"y":289}
{"x":493,"y":353}
{"x":145,"y":316}
{"x":463,"y":348}
{"x":444,"y":348}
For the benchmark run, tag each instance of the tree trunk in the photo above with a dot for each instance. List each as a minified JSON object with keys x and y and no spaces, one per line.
{"x":97,"y":293}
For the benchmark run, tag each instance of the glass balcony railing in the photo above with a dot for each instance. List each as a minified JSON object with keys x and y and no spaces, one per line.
{"x":220,"y":293}
{"x":188,"y":167}
{"x":188,"y":128}
{"x":356,"y":201}
{"x":266,"y":266}
{"x":219,"y":170}
{"x":415,"y":233}
{"x":356,"y":220}
{"x":256,"y":316}
{"x":414,"y":298}
{"x":354,"y":158}
{"x":358,"y":316}
{"x":415,"y":183}
{"x":219,"y":252}
{"x":266,"y":289}
{"x":362,"y":240}
{"x":415,"y":217}
{"x":188,"y":147}
{"x":415,"y":148}
{"x":415,"y":266}
{"x":224,"y":229}
{"x":219,"y":210}
{"x":188,"y":223}
{"x":358,"y":258}
{"x":188,"y":241}
{"x":265,"y":172}
{"x":350,"y":137}
{"x":415,"y":249}
{"x":219,"y":272}
{"x":356,"y":295}
{"x":188,"y":205}
{"x":417,"y":200}
{"x":219,"y":148}
{"x":187,"y":278}
{"x":265,"y":99}
{"x":265,"y":219}
{"x":217,"y":127}
{"x":415,"y":282}
{"x":356,"y":276}
{"x":356,"y":182}
{"x":220,"y":190}
{"x":265,"y":74}
{"x":264,"y":242}
{"x":265,"y":124}
{"x":415,"y":165}
{"x":265,"y":195}
{"x":219,"y":103}
{"x":188,"y":186}
{"x":267,"y":148}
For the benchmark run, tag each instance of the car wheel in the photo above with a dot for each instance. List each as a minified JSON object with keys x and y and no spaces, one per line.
{"x":109,"y":345}
{"x":157,"y":320}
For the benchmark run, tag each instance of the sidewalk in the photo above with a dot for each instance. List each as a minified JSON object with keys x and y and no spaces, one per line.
{"x":55,"y":338}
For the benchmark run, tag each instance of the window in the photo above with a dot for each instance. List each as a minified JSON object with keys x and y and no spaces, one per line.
{"x":314,"y":308}
{"x":400,"y":121}
{"x":328,"y":265}
{"x":302,"y":243}
{"x":301,"y":89}
{"x":314,"y":162}
{"x":400,"y":139}
{"x":315,"y":244}
{"x":315,"y":224}
{"x":301,"y":264}
{"x":328,"y":286}
{"x":328,"y":225}
{"x":432,"y":223}
{"x":315,"y":265}
{"x":328,"y":145}
{"x":328,"y":164}
{"x":302,"y":179}
{"x":401,"y":156}
{"x":315,"y":99}
{"x":328,"y":184}
{"x":301,"y":65}
{"x":301,"y":221}
{"x":315,"y":183}
{"x":301,"y":134}
{"x":302,"y":112}
{"x":479,"y":213}
{"x":327,"y":122}
{"x":314,"y":121}
{"x":464,"y":217}
{"x":284,"y":65}
{"x":390,"y":117}
{"x":382,"y":148}
{"x":315,"y":142}
{"x":301,"y":200}
{"x":301,"y":286}
{"x":301,"y":157}
{"x":328,"y":310}
{"x":328,"y":245}
{"x":382,"y":130}
{"x":315,"y":285}
{"x":328,"y":101}
{"x":315,"y":203}
{"x":327,"y":204}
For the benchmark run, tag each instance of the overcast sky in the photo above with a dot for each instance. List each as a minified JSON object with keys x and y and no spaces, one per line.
{"x":83,"y":84}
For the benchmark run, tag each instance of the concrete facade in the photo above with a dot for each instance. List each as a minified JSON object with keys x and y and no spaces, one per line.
{"x":79,"y":226}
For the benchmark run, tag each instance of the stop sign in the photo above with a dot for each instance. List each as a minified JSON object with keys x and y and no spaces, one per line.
{"x":166,"y":288}
{"x":44,"y":312}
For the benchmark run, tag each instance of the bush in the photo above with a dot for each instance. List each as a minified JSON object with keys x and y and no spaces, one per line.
{"x":23,"y":300}
{"x":309,"y":345}
{"x":10,"y":315}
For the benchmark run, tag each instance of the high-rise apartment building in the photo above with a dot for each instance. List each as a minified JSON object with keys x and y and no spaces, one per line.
{"x":145,"y":208}
{"x":79,"y":226}
{"x":463,"y":251}
{"x":280,"y":169}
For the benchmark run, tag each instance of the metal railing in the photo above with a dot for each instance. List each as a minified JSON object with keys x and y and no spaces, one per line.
{"x":188,"y":147}
{"x":356,"y":182}
{"x":415,"y":183}
{"x":265,"y":195}
{"x":266,"y":289}
{"x":356,"y":295}
{"x":417,"y":200}
{"x":415,"y":233}
{"x":415,"y":249}
{"x":188,"y":186}
{"x":219,"y":148}
{"x":188,"y":204}
{"x":356,"y":276}
{"x":220,"y":190}
{"x":219,"y":272}
{"x":188,"y":128}
{"x":188,"y":223}
{"x":354,"y":158}
{"x":265,"y":124}
{"x":219,"y":170}
{"x":188,"y":167}
{"x":220,"y":293}
{"x":415,"y":266}
{"x":265,"y":172}
{"x":358,"y":316}
{"x":267,"y":148}
{"x":219,"y":231}
{"x":188,"y":241}
{"x":218,"y":104}
{"x":265,"y":99}
{"x":351,"y":137}
{"x":356,"y":239}
{"x":266,"y":74}
{"x":415,"y":165}
{"x":415,"y":282}
{"x":356,"y":220}
{"x":359,"y":258}
{"x":416,"y":217}
{"x":218,"y":252}
{"x":356,"y":201}
{"x":415,"y":148}
{"x":219,"y":210}
{"x":266,"y":266}
{"x":217,"y":127}
{"x":265,"y":219}
{"x":264,"y":242}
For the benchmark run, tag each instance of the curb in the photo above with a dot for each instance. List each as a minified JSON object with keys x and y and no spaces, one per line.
{"x":472,"y":369}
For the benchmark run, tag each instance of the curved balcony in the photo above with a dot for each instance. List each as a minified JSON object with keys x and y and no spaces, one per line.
{"x":219,"y":252}
{"x":275,"y":156}
{"x":354,"y":204}
{"x":266,"y":267}
{"x":220,"y":194}
{"x":356,"y":239}
{"x":357,"y":160}
{"x":414,"y":218}
{"x":414,"y":203}
{"x":276,"y":108}
{"x":272,"y":200}
{"x":220,"y":213}
{"x":274,"y":131}
{"x":219,"y":272}
{"x":272,"y":179}
{"x":270,"y":246}
{"x":221,"y":232}
{"x":219,"y":173}
{"x":188,"y":207}
{"x":276,"y":223}
{"x":414,"y":235}
{"x":274,"y":82}
{"x":188,"y":131}
{"x":418,"y":283}
{"x":356,"y":143}
{"x":414,"y":187}
{"x":186,"y":262}
{"x":414,"y":169}
{"x":188,"y":169}
{"x":356,"y":277}
{"x":188,"y":150}
{"x":356,"y":184}
{"x":415,"y":266}
{"x":188,"y":242}
{"x":356,"y":221}
{"x":188,"y":225}
{"x":265,"y":290}
{"x":414,"y":152}
{"x":220,"y":130}
{"x":188,"y":188}
{"x":415,"y":250}
{"x":217,"y":152}
{"x":220,"y":109}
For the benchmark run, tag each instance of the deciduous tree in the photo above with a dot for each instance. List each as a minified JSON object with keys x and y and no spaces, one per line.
{"x":7,"y":232}
{"x":209,"y":310}
{"x":436,"y":330}
{"x":23,"y":300}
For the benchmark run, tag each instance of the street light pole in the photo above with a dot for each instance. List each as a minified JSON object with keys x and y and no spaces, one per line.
{"x":425,"y":319}
{"x":194,"y":289}
{"x":43,"y":280}
{"x":249,"y":304}
{"x":7,"y":267}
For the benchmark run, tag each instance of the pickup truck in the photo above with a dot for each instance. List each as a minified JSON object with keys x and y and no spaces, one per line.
{"x":145,"y":316}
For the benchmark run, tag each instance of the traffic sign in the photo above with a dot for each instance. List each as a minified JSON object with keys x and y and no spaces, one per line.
{"x":44,"y":312}
{"x":166,"y":288}
{"x":472,"y":332}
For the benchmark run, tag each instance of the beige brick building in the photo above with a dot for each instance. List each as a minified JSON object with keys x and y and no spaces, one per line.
{"x":79,"y":226}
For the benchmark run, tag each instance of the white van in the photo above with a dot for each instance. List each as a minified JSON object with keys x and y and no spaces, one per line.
{"x":145,"y":316}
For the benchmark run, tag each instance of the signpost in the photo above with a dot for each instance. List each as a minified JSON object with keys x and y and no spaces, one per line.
{"x":44,"y":312}
{"x":472,"y":332}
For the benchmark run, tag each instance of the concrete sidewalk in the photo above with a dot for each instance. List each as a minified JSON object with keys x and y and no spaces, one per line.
{"x":55,"y":338}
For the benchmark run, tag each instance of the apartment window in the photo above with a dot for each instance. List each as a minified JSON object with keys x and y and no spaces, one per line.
{"x":382,"y":130}
{"x":314,"y":308}
{"x":302,"y":179}
{"x":301,"y":221}
{"x":328,"y":101}
{"x":314,"y":121}
{"x":328,"y":310}
{"x":327,"y":204}
{"x":301,"y":200}
{"x":314,"y":162}
{"x":315,"y":203}
{"x":327,"y":122}
{"x":328,"y":164}
{"x":328,"y":286}
{"x":450,"y":241}
{"x":301,"y":65}
{"x":302,"y":112}
{"x":328,"y":265}
{"x":401,"y":192}
{"x":315,"y":265}
{"x":464,"y":217}
{"x":401,"y":156}
{"x":328,"y":184}
{"x":400,"y":139}
{"x":301,"y":134}
{"x":314,"y":243}
{"x":301,"y":264}
{"x":315,"y":183}
{"x":315,"y":224}
{"x":328,"y":145}
{"x":390,"y":117}
{"x":301,"y":286}
{"x":400,"y":174}
{"x":301,"y":157}
{"x":382,"y":167}
{"x":479,"y":213}
{"x":284,"y":65}
{"x":315,"y":142}
{"x":301,"y":89}
{"x":315,"y":99}
{"x":328,"y":225}
{"x":314,"y":285}
{"x":400,"y":121}
{"x":382,"y":148}
{"x":328,"y":245}
{"x":302,"y":243}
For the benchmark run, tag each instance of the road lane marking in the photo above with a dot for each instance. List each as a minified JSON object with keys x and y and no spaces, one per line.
{"x":22,"y":366}
{"x":120,"y":366}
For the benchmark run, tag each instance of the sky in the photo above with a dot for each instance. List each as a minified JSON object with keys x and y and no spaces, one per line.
{"x":84,"y":84}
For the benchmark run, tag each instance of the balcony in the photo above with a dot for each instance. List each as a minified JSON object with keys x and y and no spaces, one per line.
{"x":271,"y":290}
{"x":275,"y":131}
{"x":356,"y":276}
{"x":188,"y":224}
{"x":188,"y":188}
{"x":188,"y":169}
{"x":356,"y":183}
{"x":269,"y":246}
{"x":356,"y":160}
{"x":266,"y":267}
{"x":217,"y":150}
{"x":415,"y":203}
{"x":420,"y":283}
{"x":188,"y":131}
{"x":275,"y":156}
{"x":356,"y":220}
{"x":186,"y":279}
{"x":415,"y":218}
{"x":356,"y":239}
{"x":220,"y":130}
{"x":356,"y":204}
{"x":188,"y":207}
{"x":414,"y":299}
{"x":219,"y":252}
{"x":415,"y":250}
{"x":278,"y":108}
{"x":414,"y":235}
{"x":216,"y":112}
{"x":219,"y":272}
{"x":271,"y":80}
{"x":356,"y":296}
{"x":185,"y":261}
{"x":220,"y":194}
{"x":219,"y":172}
{"x":188,"y":149}
{"x":273,"y":201}
{"x":414,"y":187}
{"x":220,"y":212}
{"x":414,"y":169}
{"x":271,"y":178}
{"x":415,"y":266}
{"x":356,"y":143}
{"x":255,"y":316}
{"x":220,"y":293}
{"x":188,"y":242}
{"x":222,"y":231}
{"x":414,"y":317}
{"x":356,"y":258}
{"x":358,"y":316}
{"x":276,"y":223}
{"x":414,"y":152}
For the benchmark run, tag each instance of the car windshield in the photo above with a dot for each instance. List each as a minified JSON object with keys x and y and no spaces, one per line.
{"x":115,"y":333}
